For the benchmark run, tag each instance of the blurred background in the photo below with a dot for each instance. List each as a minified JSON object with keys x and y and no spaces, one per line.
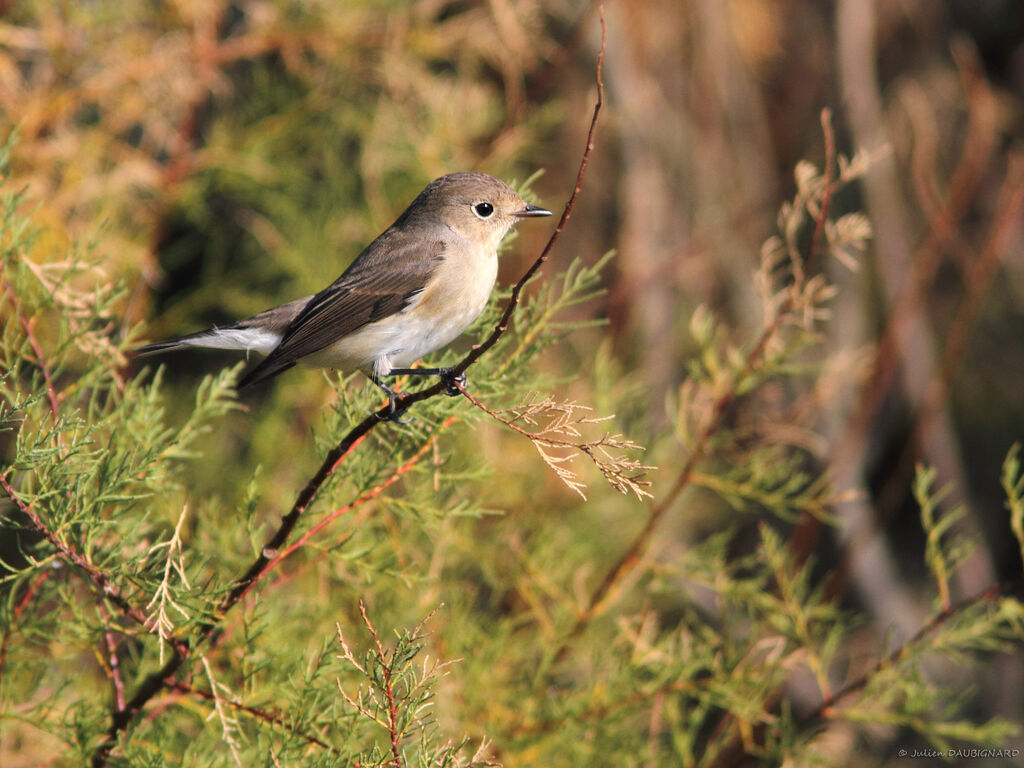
{"x":227,"y":156}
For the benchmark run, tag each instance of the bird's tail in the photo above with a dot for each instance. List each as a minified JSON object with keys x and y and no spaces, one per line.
{"x":260,"y":340}
{"x":234,"y":337}
{"x":259,"y":333}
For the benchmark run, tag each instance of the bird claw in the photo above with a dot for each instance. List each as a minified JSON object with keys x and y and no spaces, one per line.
{"x":452,"y":381}
{"x":394,"y":412}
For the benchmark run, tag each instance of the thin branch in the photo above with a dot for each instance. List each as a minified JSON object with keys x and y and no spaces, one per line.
{"x":271,"y":717}
{"x":631,"y":557}
{"x":157,"y":680}
{"x":98,"y":578}
{"x":802,"y":540}
{"x":981,"y":270}
{"x":19,"y":609}
{"x":827,"y":708}
{"x":826,"y":200}
{"x":623,"y":474}
{"x":944,"y":219}
{"x":517,"y":289}
{"x":368,"y":496}
{"x":51,"y":391}
{"x":331,"y":462}
{"x":393,"y":732}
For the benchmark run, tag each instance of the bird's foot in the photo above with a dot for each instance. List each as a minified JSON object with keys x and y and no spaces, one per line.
{"x":395,"y":411}
{"x":452,"y":381}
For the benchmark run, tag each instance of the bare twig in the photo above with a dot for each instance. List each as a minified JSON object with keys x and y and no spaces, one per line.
{"x":980,"y":271}
{"x":337,"y":455}
{"x":826,"y":200}
{"x":333,"y":460}
{"x":517,"y":289}
{"x":368,"y":496}
{"x":623,"y":474}
{"x":944,"y":218}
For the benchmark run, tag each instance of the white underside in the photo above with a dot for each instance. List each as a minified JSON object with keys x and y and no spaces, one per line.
{"x":434,"y":318}
{"x":394,"y":342}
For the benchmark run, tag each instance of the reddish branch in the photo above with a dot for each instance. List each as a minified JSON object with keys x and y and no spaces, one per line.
{"x":152,"y":685}
{"x":802,"y":540}
{"x":393,"y":731}
{"x":944,"y":218}
{"x":517,"y":289}
{"x":631,"y":557}
{"x":98,"y":578}
{"x":827,"y":709}
{"x":51,"y":391}
{"x":331,"y":517}
{"x":333,"y":460}
{"x":18,"y":610}
{"x":113,"y":661}
{"x":979,"y":273}
{"x":260,"y":714}
{"x":826,"y":199}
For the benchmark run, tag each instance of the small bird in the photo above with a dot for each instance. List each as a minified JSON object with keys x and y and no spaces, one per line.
{"x":411,"y":291}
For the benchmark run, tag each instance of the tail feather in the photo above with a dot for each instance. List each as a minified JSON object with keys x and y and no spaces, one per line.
{"x":265,"y":370}
{"x":231,"y":337}
{"x":260,"y":333}
{"x":171,"y":345}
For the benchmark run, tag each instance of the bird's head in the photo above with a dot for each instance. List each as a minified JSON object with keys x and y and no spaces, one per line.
{"x":477,"y":206}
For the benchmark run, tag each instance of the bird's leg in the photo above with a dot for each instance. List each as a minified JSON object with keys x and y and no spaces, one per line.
{"x":396,"y":412}
{"x":447,"y":375}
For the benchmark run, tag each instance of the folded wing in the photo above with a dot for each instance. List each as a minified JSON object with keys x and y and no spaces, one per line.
{"x":385,"y":277}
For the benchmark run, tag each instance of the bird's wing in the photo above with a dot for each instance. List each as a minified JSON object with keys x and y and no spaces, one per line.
{"x":392,"y":270}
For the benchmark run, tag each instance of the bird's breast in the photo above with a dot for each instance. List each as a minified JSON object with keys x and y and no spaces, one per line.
{"x":451,"y":300}
{"x":459,"y":288}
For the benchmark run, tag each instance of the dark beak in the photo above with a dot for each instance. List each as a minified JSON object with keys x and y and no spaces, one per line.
{"x":532,"y":210}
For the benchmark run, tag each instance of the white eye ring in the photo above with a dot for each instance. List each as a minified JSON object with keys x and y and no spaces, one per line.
{"x":483,"y":210}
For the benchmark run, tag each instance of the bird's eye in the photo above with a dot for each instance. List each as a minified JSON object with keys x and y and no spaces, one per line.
{"x":483,"y":210}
